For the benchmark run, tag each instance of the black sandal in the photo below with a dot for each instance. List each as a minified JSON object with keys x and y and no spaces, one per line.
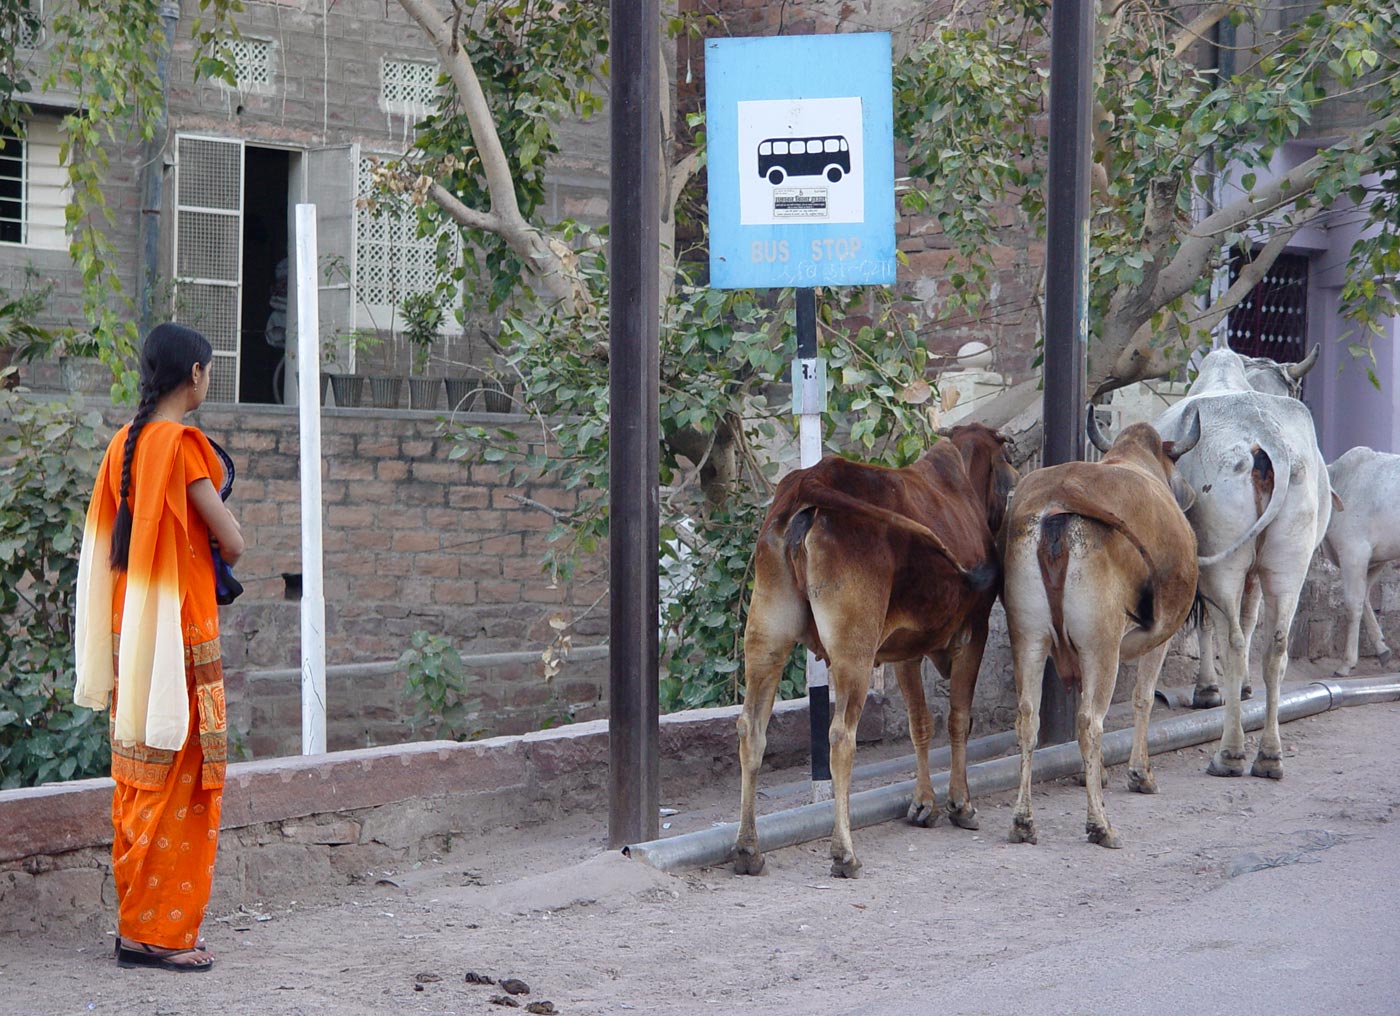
{"x":143,"y":955}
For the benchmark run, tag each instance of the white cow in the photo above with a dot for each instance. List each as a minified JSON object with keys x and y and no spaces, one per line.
{"x":1272,"y":378}
{"x":1364,"y":538}
{"x":1262,"y":507}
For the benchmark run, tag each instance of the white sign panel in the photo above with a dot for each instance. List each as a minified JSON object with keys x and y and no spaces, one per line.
{"x":801,"y":160}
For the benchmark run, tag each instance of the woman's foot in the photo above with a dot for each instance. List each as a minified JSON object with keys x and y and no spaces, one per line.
{"x":139,"y":954}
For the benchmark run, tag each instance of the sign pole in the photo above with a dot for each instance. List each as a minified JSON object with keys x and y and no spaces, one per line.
{"x":313,"y":597}
{"x":809,"y":397}
{"x":1067,"y":282}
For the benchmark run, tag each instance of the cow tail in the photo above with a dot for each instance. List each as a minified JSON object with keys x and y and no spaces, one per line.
{"x":797,"y":530}
{"x":1052,"y":553}
{"x":1270,"y":461}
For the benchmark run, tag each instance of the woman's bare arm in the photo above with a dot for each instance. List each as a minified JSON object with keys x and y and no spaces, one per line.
{"x":223,"y":527}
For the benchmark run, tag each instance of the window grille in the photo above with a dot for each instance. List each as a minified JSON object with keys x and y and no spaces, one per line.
{"x":391,"y":260}
{"x":408,"y":87}
{"x":1272,"y":320}
{"x":33,"y":188}
{"x":12,"y":190}
{"x":252,"y":63}
{"x":29,"y":35}
{"x":209,"y":251}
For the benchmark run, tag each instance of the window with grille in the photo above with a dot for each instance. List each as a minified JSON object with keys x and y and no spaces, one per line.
{"x":408,"y":87}
{"x":28,"y":33}
{"x":1272,"y":320}
{"x":391,"y":260}
{"x":252,"y":63}
{"x":33,"y":188}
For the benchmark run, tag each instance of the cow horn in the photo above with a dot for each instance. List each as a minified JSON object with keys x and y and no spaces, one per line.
{"x":1297,"y":370}
{"x":1091,"y":425}
{"x":1180,"y":448}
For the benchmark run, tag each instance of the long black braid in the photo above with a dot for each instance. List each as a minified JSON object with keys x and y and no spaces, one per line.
{"x":167,"y":357}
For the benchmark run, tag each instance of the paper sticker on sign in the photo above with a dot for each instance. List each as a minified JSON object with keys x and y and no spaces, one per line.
{"x":800,"y":160}
{"x":799,"y":202}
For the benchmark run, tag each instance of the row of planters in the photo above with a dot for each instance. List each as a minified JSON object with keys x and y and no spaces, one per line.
{"x":422,"y":318}
{"x":463,"y":394}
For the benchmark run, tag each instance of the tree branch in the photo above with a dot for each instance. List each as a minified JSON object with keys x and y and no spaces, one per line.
{"x":1196,"y":30}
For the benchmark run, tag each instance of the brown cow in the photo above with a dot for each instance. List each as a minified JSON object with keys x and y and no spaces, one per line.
{"x":865,"y":565}
{"x":1100,"y":565}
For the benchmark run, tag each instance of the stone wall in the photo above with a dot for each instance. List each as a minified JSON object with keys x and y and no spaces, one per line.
{"x":412,"y":541}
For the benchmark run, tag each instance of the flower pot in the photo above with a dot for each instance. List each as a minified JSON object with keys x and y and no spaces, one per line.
{"x":84,"y":374}
{"x":325,"y":387}
{"x":495,"y":397}
{"x":384,"y":392}
{"x":6,"y":355}
{"x":459,"y":391}
{"x":423,"y":392}
{"x":347,"y":389}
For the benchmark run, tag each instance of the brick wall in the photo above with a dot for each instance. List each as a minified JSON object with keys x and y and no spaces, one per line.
{"x":412,"y":541}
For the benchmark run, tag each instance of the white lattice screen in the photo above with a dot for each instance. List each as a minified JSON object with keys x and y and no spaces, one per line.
{"x":408,"y":87}
{"x":27,"y":37}
{"x":391,"y":260}
{"x":209,"y":250}
{"x":252,"y":62}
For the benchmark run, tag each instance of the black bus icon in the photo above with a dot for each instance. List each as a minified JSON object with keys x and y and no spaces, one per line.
{"x":779,"y":158}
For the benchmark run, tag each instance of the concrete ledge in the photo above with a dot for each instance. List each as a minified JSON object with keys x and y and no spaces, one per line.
{"x":515,"y":781}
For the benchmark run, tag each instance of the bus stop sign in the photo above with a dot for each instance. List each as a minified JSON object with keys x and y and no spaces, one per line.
{"x":801,"y":161}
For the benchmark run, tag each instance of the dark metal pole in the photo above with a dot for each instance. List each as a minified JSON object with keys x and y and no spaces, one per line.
{"x":1066,"y":277}
{"x":634,"y":469}
{"x":818,"y":682}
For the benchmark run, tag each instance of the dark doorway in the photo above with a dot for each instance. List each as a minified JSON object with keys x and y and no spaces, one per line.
{"x":262,"y":342}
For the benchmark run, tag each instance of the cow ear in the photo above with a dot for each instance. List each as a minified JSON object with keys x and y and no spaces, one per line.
{"x":1182,"y":491}
{"x":1337,"y":502}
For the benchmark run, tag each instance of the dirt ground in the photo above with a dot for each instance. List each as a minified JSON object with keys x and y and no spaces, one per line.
{"x":1232,"y":896}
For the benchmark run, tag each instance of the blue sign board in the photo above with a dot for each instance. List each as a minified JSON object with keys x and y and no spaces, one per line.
{"x":801,"y":161}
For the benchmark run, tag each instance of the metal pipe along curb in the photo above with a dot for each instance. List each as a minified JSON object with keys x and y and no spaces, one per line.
{"x":883,"y":804}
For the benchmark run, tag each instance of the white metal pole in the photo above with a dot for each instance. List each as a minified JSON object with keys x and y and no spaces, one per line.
{"x":809,"y":403}
{"x":313,"y":598}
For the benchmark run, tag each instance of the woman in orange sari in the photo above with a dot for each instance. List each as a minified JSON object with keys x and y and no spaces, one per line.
{"x":147,"y":639}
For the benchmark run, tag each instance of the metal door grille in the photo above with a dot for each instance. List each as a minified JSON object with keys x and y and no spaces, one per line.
{"x":209,"y":250}
{"x":1272,"y":320}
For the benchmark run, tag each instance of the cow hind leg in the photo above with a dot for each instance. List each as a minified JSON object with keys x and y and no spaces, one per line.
{"x":1149,"y":667}
{"x":1207,"y":692}
{"x":923,"y":810}
{"x":1368,"y":614}
{"x":1355,"y":590}
{"x":768,"y":641}
{"x":1281,"y":605}
{"x":1249,"y":620}
{"x":1100,"y":671}
{"x":1029,"y":653}
{"x":1228,"y":759}
{"x":964,"y":663}
{"x":850,"y":681}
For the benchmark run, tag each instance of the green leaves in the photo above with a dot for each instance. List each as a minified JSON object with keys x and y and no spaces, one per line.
{"x":438,"y":684}
{"x":49,"y":453}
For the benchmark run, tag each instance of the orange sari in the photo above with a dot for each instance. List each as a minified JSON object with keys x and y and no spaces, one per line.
{"x":148,"y":640}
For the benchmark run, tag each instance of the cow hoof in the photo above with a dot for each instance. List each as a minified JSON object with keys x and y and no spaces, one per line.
{"x":1247,"y":691}
{"x":1104,"y":836}
{"x":1226,"y":763}
{"x":1083,"y":780}
{"x":1142,"y":783}
{"x":748,"y":861}
{"x":924,"y":813}
{"x":1268,"y":767}
{"x":1206,"y":698}
{"x":1344,"y":671}
{"x":1022,"y":830}
{"x":964,"y":816}
{"x":845,"y":867}
{"x":1383,"y":657}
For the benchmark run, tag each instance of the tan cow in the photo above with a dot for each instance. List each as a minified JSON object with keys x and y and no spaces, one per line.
{"x":866,"y":565}
{"x":1100,"y":565}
